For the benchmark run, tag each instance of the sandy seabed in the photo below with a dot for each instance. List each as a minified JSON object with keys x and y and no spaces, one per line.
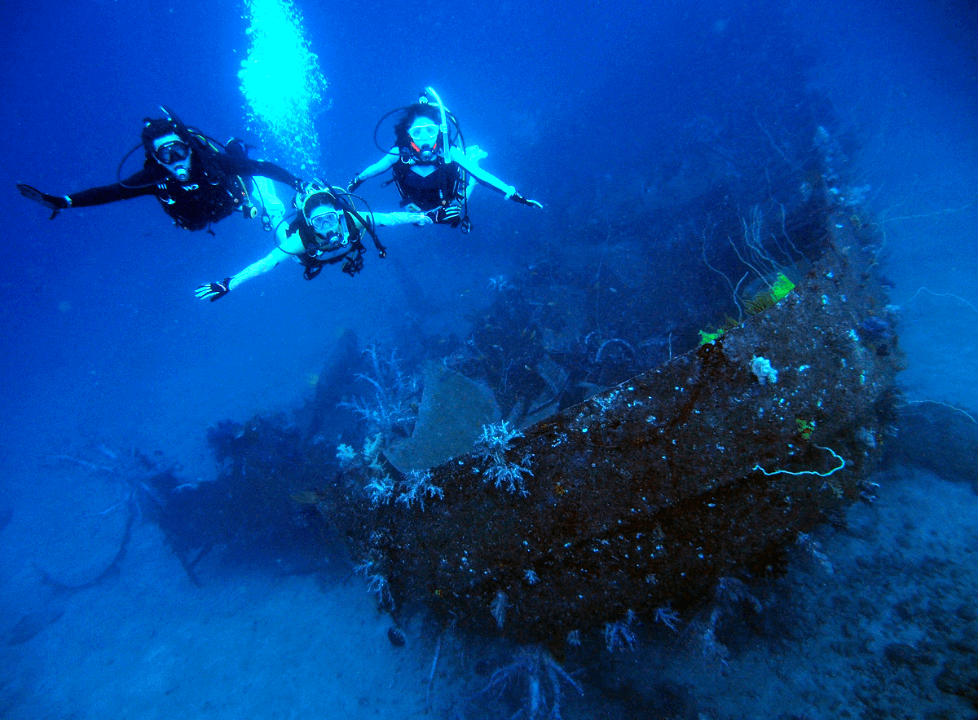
{"x":883,"y":626}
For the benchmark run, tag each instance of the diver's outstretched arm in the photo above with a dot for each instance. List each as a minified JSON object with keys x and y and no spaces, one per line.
{"x":399,"y":218}
{"x":483,"y":176}
{"x":142,"y":183}
{"x":287,"y":247}
{"x":242,"y":166}
{"x":487,"y":178}
{"x":381,"y":166}
{"x":54,"y":203}
{"x":215,"y":291}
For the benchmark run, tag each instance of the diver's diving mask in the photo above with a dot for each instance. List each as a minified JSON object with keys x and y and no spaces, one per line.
{"x":172,"y":152}
{"x":424,"y":133}
{"x":324,"y":223}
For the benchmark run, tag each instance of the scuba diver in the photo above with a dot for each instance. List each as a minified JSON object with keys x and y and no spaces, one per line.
{"x":197,"y":180}
{"x":433,"y":171}
{"x":327,"y":230}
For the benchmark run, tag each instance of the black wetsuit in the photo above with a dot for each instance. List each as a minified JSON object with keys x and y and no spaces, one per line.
{"x":214,"y":191}
{"x":438,"y":189}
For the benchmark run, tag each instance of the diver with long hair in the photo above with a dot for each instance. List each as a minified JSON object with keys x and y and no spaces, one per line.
{"x":433,"y":171}
{"x":196,"y":180}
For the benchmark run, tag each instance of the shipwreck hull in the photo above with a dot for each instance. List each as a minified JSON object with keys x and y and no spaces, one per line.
{"x":647,"y":494}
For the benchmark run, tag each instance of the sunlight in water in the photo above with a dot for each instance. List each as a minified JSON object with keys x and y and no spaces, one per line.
{"x":282,"y":83}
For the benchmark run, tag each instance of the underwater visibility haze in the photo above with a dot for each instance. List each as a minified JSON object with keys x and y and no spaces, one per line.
{"x":674,"y":420}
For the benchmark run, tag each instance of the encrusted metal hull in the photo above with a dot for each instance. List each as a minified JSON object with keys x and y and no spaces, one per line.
{"x":647,"y":494}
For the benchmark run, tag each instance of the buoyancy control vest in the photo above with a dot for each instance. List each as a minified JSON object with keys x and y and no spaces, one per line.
{"x":318,"y":254}
{"x":438,"y":189}
{"x":203,"y":200}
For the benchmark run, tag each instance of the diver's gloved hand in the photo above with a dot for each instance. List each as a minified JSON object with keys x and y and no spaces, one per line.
{"x":213,"y":291}
{"x":51,"y":202}
{"x":450,"y":215}
{"x":516,"y":197}
{"x":356,"y":182}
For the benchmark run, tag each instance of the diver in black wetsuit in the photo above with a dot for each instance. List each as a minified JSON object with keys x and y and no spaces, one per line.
{"x":433,"y":170}
{"x":197,"y":181}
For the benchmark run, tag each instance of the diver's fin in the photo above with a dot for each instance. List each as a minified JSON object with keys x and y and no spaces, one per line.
{"x":31,"y":193}
{"x":51,"y":202}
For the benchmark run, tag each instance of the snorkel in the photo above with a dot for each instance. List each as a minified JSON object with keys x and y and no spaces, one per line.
{"x":203,"y":148}
{"x":152,"y":130}
{"x":445,"y":150}
{"x":181,"y":130}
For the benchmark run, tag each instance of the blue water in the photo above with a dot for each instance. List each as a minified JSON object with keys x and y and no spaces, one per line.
{"x":105,"y":346}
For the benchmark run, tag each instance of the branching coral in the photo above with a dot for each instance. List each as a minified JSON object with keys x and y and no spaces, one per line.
{"x":538,"y":679}
{"x":492,"y":446}
{"x":387,"y":410}
{"x":417,"y":487}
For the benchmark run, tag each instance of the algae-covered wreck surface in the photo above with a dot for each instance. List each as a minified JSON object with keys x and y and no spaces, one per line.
{"x":645,"y":495}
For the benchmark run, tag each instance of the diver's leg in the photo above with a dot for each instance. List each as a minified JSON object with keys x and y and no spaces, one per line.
{"x":263,"y":196}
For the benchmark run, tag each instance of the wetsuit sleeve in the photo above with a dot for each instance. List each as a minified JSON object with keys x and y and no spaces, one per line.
{"x":397,"y":218}
{"x":287,"y":246}
{"x":142,"y":183}
{"x":382,"y":165}
{"x":246,"y":167}
{"x":258,"y":268}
